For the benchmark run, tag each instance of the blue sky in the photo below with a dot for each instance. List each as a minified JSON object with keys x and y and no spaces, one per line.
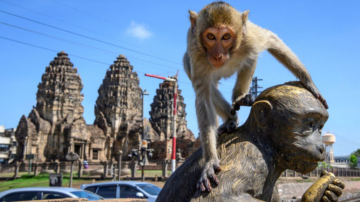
{"x":324,"y":35}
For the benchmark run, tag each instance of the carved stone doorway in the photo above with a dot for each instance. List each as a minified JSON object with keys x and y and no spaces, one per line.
{"x":78,"y":149}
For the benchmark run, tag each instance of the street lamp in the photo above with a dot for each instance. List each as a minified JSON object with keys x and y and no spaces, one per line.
{"x":143,"y":141}
{"x":71,"y":157}
{"x":171,"y":79}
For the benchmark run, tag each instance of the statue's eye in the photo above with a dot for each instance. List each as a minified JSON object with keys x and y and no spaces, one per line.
{"x":226,"y":36}
{"x":311,"y":124}
{"x":210,"y":36}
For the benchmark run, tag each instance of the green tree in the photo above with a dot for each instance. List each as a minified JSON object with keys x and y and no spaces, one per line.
{"x":356,"y":153}
{"x":353,"y":161}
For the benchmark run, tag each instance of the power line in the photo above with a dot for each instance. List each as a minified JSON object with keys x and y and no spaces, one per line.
{"x":56,"y":51}
{"x":89,"y":14}
{"x":87,"y":37}
{"x":48,"y":49}
{"x":80,"y":44}
{"x":91,"y":38}
{"x":72,"y":55}
{"x":63,"y":21}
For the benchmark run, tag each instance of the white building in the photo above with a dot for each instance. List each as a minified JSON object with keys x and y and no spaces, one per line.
{"x":8,"y":145}
{"x":341,"y":162}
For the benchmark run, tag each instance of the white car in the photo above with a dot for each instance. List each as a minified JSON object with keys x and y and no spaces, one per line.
{"x":39,"y":193}
{"x":124,"y":189}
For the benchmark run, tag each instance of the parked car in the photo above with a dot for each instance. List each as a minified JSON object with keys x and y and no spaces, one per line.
{"x":124,"y":189}
{"x":39,"y":193}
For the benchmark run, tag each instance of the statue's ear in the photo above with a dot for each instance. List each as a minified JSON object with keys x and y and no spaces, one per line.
{"x":261,"y":110}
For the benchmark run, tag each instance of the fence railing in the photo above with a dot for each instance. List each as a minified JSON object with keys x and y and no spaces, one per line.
{"x":338,"y":172}
{"x":106,"y":169}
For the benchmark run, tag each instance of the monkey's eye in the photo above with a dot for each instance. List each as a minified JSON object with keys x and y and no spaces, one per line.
{"x":210,"y":36}
{"x":226,"y":36}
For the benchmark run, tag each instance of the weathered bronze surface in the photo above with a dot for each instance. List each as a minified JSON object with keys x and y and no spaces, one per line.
{"x":283,"y":131}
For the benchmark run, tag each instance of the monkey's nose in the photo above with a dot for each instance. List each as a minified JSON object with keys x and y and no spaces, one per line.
{"x":218,"y":58}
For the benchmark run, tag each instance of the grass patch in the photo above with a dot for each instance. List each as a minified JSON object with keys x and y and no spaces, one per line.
{"x":355,"y":179}
{"x":11,"y":174}
{"x":41,"y":180}
{"x":152,"y":173}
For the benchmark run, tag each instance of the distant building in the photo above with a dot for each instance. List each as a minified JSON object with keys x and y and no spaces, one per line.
{"x":342,"y":159}
{"x":7,"y":145}
{"x":2,"y":131}
{"x":341,"y":162}
{"x":329,"y":139}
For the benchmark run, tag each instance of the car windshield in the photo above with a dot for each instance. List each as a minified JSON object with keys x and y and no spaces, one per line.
{"x":85,"y":194}
{"x":150,"y":189}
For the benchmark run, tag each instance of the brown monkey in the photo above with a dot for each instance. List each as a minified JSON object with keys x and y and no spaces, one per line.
{"x":220,"y":42}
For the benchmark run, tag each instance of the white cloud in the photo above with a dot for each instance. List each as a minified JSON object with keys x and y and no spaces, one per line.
{"x":138,"y":30}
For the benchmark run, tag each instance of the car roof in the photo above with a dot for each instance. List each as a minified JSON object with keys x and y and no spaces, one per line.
{"x":57,"y":189}
{"x":133,"y":183}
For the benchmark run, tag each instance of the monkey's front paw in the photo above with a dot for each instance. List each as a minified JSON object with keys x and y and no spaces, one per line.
{"x":242,"y":100}
{"x":208,"y":174}
{"x":227,"y":127}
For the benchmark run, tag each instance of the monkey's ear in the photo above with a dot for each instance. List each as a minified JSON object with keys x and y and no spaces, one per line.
{"x":193,"y":16}
{"x":261,"y":109}
{"x":244,"y":18}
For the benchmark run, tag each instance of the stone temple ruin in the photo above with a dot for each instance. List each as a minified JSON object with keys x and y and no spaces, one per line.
{"x":118,"y":108}
{"x":55,"y":126}
{"x":161,"y":121}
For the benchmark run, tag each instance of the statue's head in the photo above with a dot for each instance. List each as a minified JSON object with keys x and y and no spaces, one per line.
{"x":292,"y":119}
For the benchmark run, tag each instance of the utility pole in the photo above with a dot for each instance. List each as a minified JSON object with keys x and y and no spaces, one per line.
{"x":254,"y":87}
{"x":143,"y":142}
{"x":171,"y":79}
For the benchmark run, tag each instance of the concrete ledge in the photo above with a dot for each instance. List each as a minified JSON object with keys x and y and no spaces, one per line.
{"x":81,"y":199}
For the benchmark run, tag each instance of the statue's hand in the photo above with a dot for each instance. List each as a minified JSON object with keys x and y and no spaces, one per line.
{"x":327,"y":188}
{"x":334,"y":191}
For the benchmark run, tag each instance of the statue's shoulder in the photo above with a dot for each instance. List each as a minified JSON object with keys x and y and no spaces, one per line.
{"x":239,"y":147}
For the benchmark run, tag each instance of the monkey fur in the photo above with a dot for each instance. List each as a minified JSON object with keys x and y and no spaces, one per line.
{"x":221,"y":42}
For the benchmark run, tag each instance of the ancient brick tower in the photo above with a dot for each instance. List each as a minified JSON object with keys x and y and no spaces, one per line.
{"x":161,"y":120}
{"x":56,"y":126}
{"x":59,"y":94}
{"x":118,"y":108}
